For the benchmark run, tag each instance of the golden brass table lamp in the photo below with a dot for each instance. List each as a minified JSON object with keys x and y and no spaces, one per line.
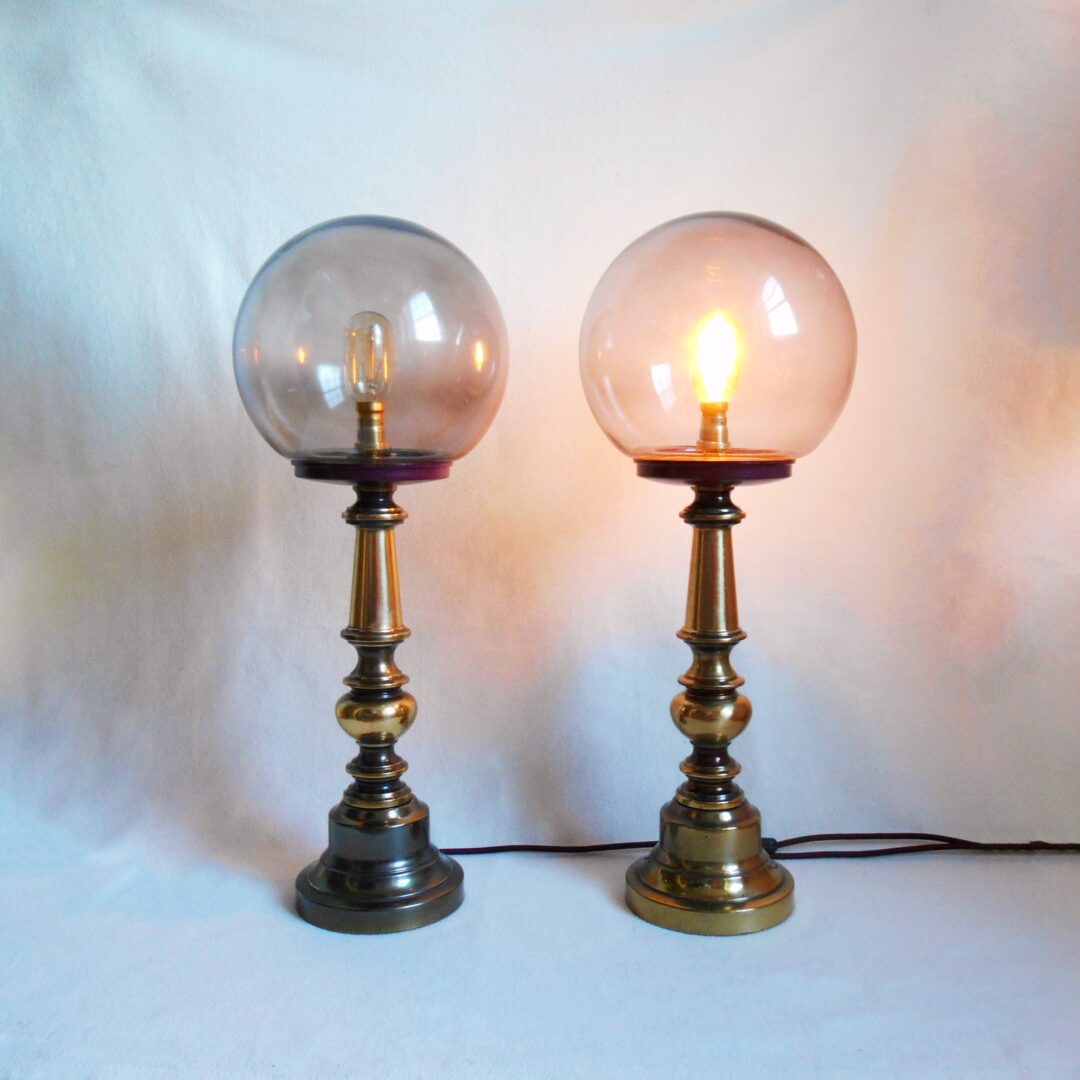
{"x":715,"y":350}
{"x":371,"y":352}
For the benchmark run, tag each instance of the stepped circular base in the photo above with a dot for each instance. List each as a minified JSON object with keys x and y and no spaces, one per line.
{"x":346,"y":913}
{"x":692,"y":915}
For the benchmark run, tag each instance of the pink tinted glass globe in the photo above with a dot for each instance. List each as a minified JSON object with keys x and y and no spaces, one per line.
{"x":720,"y":308}
{"x":370,"y":309}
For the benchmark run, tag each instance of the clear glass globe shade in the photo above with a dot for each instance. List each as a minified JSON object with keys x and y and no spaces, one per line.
{"x":369,"y":309}
{"x":723,"y":313}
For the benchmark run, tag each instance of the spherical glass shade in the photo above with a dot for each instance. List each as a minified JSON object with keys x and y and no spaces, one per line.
{"x":718,"y":333}
{"x":370,"y":337}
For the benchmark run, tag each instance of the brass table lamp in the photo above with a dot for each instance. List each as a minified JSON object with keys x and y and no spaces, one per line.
{"x":715,"y":350}
{"x":371,"y":352}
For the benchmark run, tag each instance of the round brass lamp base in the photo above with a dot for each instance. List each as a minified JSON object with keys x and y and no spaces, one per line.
{"x":380,"y":873}
{"x":695,"y":915}
{"x":348,"y":911}
{"x":709,"y":873}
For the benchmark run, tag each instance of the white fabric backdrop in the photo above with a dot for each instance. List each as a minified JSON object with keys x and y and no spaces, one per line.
{"x":172,"y":596}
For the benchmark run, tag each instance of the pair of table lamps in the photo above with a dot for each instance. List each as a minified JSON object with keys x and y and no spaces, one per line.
{"x":715,"y":350}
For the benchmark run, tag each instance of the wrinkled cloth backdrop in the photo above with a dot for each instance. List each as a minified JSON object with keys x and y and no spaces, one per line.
{"x":172,"y":596}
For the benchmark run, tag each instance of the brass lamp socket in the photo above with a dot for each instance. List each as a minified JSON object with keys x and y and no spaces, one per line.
{"x":370,"y":434}
{"x":713,"y":434}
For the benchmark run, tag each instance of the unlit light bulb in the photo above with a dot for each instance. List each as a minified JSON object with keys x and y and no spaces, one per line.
{"x":368,"y":355}
{"x":368,"y":352}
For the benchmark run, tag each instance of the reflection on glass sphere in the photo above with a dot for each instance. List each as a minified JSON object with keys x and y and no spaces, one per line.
{"x":718,"y":333}
{"x":370,"y":337}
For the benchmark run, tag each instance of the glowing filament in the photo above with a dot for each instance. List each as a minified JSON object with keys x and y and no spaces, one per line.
{"x":717,"y":356}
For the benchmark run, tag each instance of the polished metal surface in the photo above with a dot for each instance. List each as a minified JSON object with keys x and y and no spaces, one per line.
{"x":380,"y":872}
{"x":370,"y":433}
{"x":709,"y":874}
{"x":713,"y":436}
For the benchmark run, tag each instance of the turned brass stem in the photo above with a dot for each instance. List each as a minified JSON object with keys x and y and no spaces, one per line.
{"x":713,"y":434}
{"x":711,"y":712}
{"x":709,"y":873}
{"x":380,"y":872}
{"x":376,"y":711}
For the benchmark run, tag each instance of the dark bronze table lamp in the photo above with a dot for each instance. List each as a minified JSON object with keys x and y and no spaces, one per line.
{"x":371,"y":352}
{"x":715,"y":350}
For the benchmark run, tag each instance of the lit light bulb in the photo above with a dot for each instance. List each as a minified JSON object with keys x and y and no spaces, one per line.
{"x":717,"y":358}
{"x":368,"y":357}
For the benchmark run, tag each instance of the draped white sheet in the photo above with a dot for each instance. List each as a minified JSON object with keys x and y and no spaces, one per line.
{"x":171,"y":596}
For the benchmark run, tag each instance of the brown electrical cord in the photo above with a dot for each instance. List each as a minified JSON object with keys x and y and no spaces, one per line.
{"x":930,"y":842}
{"x":549,"y":849}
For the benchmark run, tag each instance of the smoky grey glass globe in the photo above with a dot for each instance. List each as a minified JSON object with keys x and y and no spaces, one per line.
{"x":369,"y":337}
{"x":718,"y":333}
